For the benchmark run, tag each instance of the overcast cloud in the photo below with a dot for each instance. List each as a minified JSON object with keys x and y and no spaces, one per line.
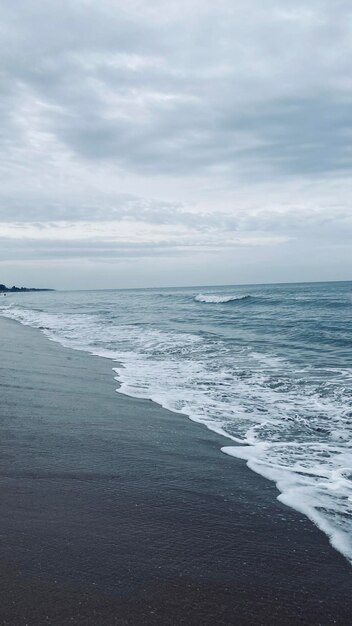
{"x":155,"y":142}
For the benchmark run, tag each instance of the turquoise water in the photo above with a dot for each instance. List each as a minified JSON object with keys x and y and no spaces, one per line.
{"x":268,"y":366}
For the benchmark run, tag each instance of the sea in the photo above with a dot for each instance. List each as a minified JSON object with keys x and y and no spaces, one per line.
{"x":267,"y":366}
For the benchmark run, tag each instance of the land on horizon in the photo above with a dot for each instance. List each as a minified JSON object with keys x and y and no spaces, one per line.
{"x":14,"y":289}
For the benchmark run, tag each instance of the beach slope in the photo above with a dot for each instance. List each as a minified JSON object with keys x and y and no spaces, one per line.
{"x":116,"y":511}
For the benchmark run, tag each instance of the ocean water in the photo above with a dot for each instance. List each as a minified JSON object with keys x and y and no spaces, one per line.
{"x":270,"y":367}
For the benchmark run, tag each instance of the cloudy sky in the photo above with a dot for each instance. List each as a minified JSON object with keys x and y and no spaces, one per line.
{"x":162,"y":142}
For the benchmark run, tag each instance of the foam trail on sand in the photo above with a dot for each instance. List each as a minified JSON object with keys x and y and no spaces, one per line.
{"x":309,"y":492}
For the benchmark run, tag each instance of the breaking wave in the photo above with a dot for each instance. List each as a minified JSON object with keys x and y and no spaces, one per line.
{"x":278,"y":384}
{"x":214,"y":299}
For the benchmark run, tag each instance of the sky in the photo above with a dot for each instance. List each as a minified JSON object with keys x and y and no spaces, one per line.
{"x":163,"y":143}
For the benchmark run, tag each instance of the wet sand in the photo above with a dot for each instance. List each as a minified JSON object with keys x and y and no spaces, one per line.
{"x":116,"y":511}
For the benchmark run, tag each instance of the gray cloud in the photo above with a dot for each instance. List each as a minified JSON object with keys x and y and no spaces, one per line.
{"x":187,"y":93}
{"x":193,"y":114}
{"x":43,"y":208}
{"x":19,"y":249}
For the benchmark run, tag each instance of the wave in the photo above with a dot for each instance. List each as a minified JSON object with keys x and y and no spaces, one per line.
{"x":293,"y":427}
{"x":214,"y":299}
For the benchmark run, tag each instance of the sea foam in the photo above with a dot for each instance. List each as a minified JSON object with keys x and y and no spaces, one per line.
{"x":219,"y":299}
{"x":292,"y":419}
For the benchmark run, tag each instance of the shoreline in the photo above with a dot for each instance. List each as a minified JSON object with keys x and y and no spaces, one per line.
{"x":136,"y":513}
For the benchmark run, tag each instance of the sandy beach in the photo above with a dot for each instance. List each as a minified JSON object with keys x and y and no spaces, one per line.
{"x":116,"y":511}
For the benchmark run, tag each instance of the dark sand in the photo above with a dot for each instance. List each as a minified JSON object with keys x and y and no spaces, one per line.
{"x":115,"y":511}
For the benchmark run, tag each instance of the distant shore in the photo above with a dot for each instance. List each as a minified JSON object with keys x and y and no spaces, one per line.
{"x":116,"y":511}
{"x":14,"y":289}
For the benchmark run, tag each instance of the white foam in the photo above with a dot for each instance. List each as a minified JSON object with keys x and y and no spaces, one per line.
{"x":296,"y":429}
{"x":216,"y":299}
{"x":307,"y":492}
